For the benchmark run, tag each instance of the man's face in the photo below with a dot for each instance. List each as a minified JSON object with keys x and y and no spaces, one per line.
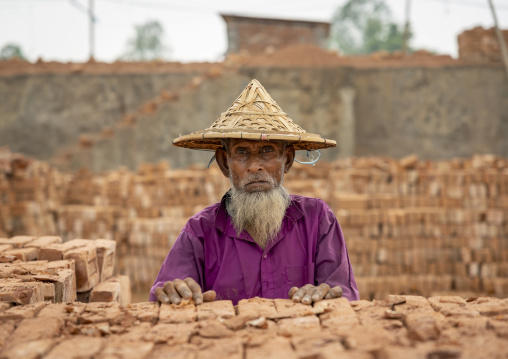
{"x":256,"y":166}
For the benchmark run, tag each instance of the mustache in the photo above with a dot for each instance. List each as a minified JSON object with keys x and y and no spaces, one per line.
{"x":257,"y":178}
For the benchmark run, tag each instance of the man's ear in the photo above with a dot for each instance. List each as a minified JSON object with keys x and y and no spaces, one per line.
{"x":289,"y":155}
{"x":221,"y":156}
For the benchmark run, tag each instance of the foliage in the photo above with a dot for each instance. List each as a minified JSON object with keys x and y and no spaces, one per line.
{"x":365,"y":26}
{"x":11,"y":51}
{"x":147,"y":43}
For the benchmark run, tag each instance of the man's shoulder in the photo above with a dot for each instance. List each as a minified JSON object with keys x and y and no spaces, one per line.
{"x":308,"y":203}
{"x":207,"y":214}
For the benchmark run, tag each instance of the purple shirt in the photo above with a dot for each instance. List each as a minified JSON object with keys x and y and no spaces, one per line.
{"x":309,"y":249}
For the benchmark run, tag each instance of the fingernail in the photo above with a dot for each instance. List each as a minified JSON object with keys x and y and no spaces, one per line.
{"x":199,"y":301}
{"x":315,"y":297}
{"x":296,"y":297}
{"x":306,"y":301}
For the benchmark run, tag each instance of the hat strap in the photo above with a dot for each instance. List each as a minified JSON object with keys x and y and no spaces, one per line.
{"x":312,"y":160}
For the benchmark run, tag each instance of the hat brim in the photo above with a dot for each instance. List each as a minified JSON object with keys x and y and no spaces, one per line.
{"x":211,"y":139}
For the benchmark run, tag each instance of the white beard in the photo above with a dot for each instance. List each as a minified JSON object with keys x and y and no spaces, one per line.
{"x":259,"y":213}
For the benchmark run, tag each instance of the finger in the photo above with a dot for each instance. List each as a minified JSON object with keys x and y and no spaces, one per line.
{"x":209,"y":296}
{"x":197,"y":296}
{"x":307,"y":298}
{"x":328,"y":296}
{"x":300,"y":293}
{"x":182,"y":288}
{"x":336,"y":292}
{"x":161,"y":295}
{"x":170,"y":290}
{"x":292,"y":291}
{"x":320,"y":292}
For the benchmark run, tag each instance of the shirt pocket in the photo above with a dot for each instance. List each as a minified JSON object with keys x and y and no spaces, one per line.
{"x":297,"y":276}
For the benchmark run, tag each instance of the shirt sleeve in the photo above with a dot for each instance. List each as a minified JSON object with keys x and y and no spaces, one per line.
{"x":185,"y":259}
{"x":332,"y":260}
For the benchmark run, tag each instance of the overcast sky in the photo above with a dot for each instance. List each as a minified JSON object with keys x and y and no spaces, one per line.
{"x":58,"y":29}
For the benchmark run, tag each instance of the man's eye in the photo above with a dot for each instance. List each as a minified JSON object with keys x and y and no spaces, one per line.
{"x":241,"y":151}
{"x":267,"y":149}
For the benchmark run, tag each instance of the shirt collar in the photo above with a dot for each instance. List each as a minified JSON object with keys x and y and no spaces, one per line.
{"x":224,"y":224}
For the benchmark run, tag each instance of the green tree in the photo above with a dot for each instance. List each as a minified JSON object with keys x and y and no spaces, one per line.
{"x":365,"y":26}
{"x":147,"y":43}
{"x":11,"y":51}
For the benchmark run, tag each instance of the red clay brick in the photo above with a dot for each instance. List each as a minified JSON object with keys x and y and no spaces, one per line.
{"x":126,"y":350}
{"x":68,"y":312}
{"x":217,"y":309}
{"x":78,"y":347}
{"x":336,"y":313}
{"x":275,"y":348}
{"x":224,"y":349}
{"x":171,"y":333}
{"x":100,"y":312}
{"x":35,"y":329}
{"x":30,"y":350}
{"x":6,"y":329}
{"x":183,"y":313}
{"x":213,"y":329}
{"x":294,"y":326}
{"x":286,"y":308}
{"x":424,"y":326}
{"x":322,"y":345}
{"x":144,"y":312}
{"x":257,"y":307}
{"x":22,"y":311}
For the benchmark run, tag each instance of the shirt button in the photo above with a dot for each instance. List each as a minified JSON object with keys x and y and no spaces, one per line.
{"x":265,"y":256}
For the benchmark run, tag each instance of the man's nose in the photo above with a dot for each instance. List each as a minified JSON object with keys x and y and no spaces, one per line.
{"x":255,"y":164}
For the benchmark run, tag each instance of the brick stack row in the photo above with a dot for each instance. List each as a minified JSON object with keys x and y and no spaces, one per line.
{"x":30,"y":193}
{"x":34,"y":269}
{"x":143,"y":212}
{"x":398,"y":327}
{"x":412,"y":226}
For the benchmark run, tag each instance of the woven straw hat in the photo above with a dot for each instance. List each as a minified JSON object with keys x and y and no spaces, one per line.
{"x":254,"y":116}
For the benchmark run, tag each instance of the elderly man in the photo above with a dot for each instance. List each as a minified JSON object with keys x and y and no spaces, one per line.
{"x":258,"y":240}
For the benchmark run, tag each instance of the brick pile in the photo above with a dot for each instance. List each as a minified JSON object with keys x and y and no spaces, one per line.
{"x":412,"y":227}
{"x":307,"y":55}
{"x":143,"y":212}
{"x":479,"y":44}
{"x":30,"y":193}
{"x":398,"y":327}
{"x":35,"y":269}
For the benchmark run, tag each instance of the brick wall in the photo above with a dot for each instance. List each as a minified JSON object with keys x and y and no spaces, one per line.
{"x":480,"y":44}
{"x":256,"y":35}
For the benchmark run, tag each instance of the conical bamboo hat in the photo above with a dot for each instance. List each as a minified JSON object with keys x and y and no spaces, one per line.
{"x":254,"y":116}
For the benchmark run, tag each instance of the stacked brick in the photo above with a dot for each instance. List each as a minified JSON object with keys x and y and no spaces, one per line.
{"x":30,"y":193}
{"x":143,"y":212}
{"x":425,"y":227}
{"x":480,"y":44}
{"x":412,"y":227}
{"x":398,"y":327}
{"x":35,"y":269}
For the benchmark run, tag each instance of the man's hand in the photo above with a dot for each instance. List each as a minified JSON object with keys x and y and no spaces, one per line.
{"x":310,"y":293}
{"x":173,"y":292}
